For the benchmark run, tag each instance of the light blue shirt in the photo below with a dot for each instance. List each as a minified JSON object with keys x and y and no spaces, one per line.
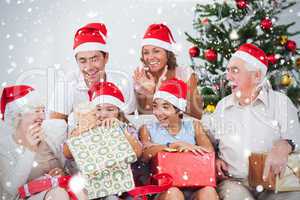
{"x":160,"y":135}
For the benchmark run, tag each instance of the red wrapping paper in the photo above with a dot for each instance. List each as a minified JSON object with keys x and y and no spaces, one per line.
{"x":187,"y":169}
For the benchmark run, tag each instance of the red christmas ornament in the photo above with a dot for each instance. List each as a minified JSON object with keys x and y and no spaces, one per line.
{"x":266,"y":24}
{"x":210,"y":55}
{"x":241,"y":4}
{"x":291,"y":46}
{"x":205,"y":21}
{"x":194,"y":52}
{"x":272,"y":58}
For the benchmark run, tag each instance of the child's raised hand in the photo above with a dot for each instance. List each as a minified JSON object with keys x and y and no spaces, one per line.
{"x":185,"y":147}
{"x":75,"y":132}
{"x":108,"y":123}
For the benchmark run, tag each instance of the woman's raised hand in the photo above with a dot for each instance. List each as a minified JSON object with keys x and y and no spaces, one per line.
{"x":144,"y":82}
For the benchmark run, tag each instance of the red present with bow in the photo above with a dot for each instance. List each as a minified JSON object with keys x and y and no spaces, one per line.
{"x":44,"y":184}
{"x":187,"y":169}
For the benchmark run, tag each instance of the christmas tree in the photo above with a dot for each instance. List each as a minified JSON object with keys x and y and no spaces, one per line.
{"x":223,"y":27}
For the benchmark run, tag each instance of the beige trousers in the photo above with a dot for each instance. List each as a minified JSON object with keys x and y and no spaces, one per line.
{"x":234,"y":189}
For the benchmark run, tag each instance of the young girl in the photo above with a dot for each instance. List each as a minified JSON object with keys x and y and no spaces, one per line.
{"x":30,"y":146}
{"x":108,"y":102}
{"x":173,"y":132}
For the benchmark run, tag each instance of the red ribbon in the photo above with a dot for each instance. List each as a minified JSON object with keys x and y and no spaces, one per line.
{"x":142,"y":191}
{"x":41,"y":185}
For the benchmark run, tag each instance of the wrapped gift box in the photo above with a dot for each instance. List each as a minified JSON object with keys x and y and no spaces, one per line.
{"x":44,"y":184}
{"x":289,"y":182}
{"x":104,"y":157}
{"x":187,"y":169}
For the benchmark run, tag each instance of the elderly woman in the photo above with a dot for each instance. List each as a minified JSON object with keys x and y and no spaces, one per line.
{"x":159,"y":65}
{"x":30,"y":145}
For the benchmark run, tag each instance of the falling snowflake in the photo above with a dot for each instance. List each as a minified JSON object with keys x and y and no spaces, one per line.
{"x":92,"y":14}
{"x":3,"y":85}
{"x":7,"y":36}
{"x":131,"y":51}
{"x":247,"y":153}
{"x":178,"y":47}
{"x":29,"y":10}
{"x":124,"y":82}
{"x":238,"y":94}
{"x":275,"y":123}
{"x":185,"y":177}
{"x":57,"y":66}
{"x":77,"y":183}
{"x":29,"y":60}
{"x":13,"y":64}
{"x":8,"y":184}
{"x":247,"y":100}
{"x":11,"y":47}
{"x":136,"y":114}
{"x":259,"y":188}
{"x":35,"y":164}
{"x":234,"y":35}
{"x":159,"y":10}
{"x":10,"y":70}
{"x":19,"y":34}
{"x":19,"y":150}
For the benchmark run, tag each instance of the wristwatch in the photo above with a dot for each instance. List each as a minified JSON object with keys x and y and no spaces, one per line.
{"x":168,"y":144}
{"x":293,"y":145}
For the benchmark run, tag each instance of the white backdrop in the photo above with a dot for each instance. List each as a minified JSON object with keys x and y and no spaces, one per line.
{"x":36,"y":34}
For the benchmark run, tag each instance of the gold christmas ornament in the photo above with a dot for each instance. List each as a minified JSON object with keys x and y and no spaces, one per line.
{"x":210,"y":108}
{"x":283,"y":39}
{"x":286,"y":80}
{"x":298,"y":63}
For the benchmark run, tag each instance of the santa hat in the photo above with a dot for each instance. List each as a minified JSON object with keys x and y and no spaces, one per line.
{"x":106,"y":92}
{"x":174,"y":91}
{"x":159,"y":35}
{"x":90,"y":37}
{"x":19,"y":99}
{"x":253,"y":56}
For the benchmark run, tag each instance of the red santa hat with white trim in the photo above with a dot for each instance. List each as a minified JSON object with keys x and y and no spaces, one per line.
{"x":91,"y":37}
{"x":174,"y":91}
{"x":159,"y":35}
{"x":106,"y":92}
{"x":19,"y":99}
{"x":254,"y":57}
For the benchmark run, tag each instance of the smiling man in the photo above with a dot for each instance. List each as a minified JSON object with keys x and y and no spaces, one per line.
{"x":254,"y":118}
{"x":91,"y":54}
